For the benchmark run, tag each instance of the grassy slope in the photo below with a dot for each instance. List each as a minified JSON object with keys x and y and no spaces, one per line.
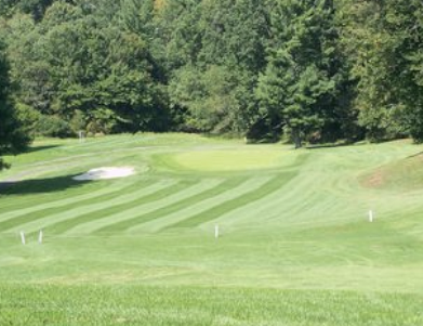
{"x":298,"y":222}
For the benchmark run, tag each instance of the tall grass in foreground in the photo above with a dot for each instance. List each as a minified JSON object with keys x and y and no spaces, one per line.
{"x":186,"y":306}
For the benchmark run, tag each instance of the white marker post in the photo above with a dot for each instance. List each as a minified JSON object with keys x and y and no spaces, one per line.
{"x":40,"y":237}
{"x":370,"y":216}
{"x":81,"y":136}
{"x":216,"y":231}
{"x":23,"y":237}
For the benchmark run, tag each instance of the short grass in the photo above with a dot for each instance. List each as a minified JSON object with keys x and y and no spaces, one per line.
{"x":295,"y":246}
{"x":234,"y":159}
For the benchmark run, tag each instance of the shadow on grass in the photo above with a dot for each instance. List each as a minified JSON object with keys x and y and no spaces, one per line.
{"x":415,"y":155}
{"x":334,"y":145}
{"x":319,"y":146}
{"x":33,"y":149}
{"x":39,"y":186}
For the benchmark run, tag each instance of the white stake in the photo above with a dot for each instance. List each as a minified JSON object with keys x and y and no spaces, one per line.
{"x":40,"y":237}
{"x":216,"y":231}
{"x":370,"y":216}
{"x":23,"y":237}
{"x":81,"y":136}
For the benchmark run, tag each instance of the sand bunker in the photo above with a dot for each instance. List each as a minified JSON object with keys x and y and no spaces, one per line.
{"x":106,"y":173}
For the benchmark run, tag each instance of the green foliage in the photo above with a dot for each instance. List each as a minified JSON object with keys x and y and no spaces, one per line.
{"x":385,"y":44}
{"x":53,"y":126}
{"x":29,"y":117}
{"x":35,"y":8}
{"x":77,"y":61}
{"x":78,"y":121}
{"x":13,"y":136}
{"x":209,"y":96}
{"x":301,"y":78}
{"x":218,"y":63}
{"x":318,"y":71}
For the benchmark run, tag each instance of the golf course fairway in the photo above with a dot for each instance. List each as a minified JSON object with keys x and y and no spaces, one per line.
{"x":211,"y":232}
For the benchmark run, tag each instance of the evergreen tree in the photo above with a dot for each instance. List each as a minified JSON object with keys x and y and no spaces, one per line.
{"x":12,"y":137}
{"x":303,"y":74}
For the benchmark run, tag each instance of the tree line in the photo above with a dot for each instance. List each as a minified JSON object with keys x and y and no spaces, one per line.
{"x":307,"y":70}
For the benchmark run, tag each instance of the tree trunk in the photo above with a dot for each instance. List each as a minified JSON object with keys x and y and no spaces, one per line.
{"x":296,"y":137}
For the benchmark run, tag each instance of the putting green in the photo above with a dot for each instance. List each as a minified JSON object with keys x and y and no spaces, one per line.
{"x":233,"y":159}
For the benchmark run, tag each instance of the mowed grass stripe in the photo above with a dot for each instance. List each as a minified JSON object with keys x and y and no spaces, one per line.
{"x":197,"y":208}
{"x":175,"y":207}
{"x":29,"y":223}
{"x":287,"y":203}
{"x":247,"y":185}
{"x":215,"y":212}
{"x":69,"y":203}
{"x":148,"y":207}
{"x":98,"y":144}
{"x":274,"y":203}
{"x":101,"y":213}
{"x":27,"y":206}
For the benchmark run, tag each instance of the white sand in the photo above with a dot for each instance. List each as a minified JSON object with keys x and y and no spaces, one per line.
{"x":106,"y":173}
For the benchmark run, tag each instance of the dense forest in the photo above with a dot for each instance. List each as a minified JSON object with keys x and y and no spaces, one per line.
{"x":306,"y":70}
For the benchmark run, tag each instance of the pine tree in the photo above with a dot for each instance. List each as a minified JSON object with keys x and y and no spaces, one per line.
{"x":12,"y":137}
{"x":303,"y":72}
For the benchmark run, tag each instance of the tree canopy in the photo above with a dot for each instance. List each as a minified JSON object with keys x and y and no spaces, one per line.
{"x":309,"y":70}
{"x":12,"y":134}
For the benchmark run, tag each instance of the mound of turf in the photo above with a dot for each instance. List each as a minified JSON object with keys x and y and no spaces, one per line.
{"x":403,"y":174}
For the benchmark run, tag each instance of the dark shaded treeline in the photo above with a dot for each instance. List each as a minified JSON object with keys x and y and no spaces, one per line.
{"x":312,"y":70}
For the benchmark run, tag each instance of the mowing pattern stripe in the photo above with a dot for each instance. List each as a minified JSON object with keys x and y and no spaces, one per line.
{"x":219,"y":210}
{"x":198,"y":208}
{"x":169,"y":209}
{"x":153,"y":202}
{"x":29,"y":215}
{"x":43,"y":218}
{"x":127,"y":214}
{"x":32,"y":206}
{"x":160,"y":205}
{"x":118,"y":208}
